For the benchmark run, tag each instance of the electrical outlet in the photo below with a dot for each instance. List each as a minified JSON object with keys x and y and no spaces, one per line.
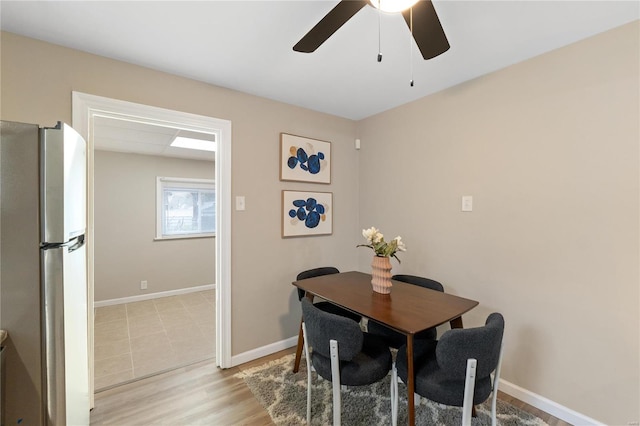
{"x":143,"y":285}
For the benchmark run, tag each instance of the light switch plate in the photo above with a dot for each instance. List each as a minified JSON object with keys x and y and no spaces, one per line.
{"x":467,"y":203}
{"x":240,"y":203}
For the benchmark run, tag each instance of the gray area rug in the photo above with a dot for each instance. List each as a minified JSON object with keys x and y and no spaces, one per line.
{"x":284,"y":395}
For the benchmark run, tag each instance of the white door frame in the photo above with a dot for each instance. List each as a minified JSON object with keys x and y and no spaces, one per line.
{"x":85,"y":108}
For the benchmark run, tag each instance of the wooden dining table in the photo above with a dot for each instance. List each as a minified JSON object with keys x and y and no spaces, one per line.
{"x":409,"y":309}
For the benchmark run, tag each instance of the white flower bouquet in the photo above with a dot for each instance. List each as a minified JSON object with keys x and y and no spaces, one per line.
{"x":380,"y":247}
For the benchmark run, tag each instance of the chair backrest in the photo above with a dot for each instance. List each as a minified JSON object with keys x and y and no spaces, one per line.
{"x":316,"y":272}
{"x":322,"y":327}
{"x":482,"y":343}
{"x":421,"y":281}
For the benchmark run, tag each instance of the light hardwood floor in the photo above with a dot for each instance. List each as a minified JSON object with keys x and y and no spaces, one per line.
{"x":202,"y":394}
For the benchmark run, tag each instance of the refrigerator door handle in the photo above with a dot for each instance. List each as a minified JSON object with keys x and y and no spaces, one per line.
{"x":77,"y":243}
{"x":72,"y":245}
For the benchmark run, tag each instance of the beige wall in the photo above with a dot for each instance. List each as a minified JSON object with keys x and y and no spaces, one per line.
{"x":548,"y":149}
{"x":125,"y":228}
{"x":37,"y":81}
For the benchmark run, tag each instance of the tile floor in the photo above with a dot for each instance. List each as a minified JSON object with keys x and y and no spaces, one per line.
{"x":138,"y":339}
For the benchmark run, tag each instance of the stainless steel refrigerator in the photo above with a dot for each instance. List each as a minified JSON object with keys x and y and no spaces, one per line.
{"x":43,"y":278}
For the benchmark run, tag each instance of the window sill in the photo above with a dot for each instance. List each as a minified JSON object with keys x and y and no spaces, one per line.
{"x":183,"y":237}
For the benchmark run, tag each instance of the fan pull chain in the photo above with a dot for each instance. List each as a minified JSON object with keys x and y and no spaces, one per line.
{"x":379,"y":32}
{"x":411,"y":46}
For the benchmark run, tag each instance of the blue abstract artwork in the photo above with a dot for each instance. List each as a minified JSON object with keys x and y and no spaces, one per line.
{"x":306,"y":213}
{"x":304,"y":159}
{"x":308,"y":163}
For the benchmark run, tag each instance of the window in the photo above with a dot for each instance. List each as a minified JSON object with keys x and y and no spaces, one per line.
{"x":186,"y":208}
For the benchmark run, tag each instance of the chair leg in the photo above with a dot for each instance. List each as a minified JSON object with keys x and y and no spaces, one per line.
{"x":496,"y":380}
{"x":335,"y":381}
{"x":469,"y":387}
{"x":296,"y":364}
{"x":394,"y":395}
{"x":308,"y":360}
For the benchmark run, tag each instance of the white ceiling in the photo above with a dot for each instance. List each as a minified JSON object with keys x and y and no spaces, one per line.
{"x":247,"y":45}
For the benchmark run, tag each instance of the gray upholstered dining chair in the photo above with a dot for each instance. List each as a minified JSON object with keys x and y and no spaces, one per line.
{"x":393,"y":338}
{"x":445,"y":369}
{"x":324,"y":305}
{"x":339,"y":351}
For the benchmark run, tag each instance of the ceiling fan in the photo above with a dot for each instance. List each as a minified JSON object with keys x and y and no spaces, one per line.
{"x":420,"y":16}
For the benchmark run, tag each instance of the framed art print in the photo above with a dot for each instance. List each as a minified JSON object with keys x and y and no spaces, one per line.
{"x":306,"y":213}
{"x":304,"y":159}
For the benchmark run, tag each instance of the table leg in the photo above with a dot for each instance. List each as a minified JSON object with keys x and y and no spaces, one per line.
{"x":296,"y":364}
{"x":456,"y":323}
{"x":410,"y":382}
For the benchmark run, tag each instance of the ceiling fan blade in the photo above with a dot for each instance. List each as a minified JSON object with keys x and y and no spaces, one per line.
{"x":427,"y":30}
{"x":328,"y":25}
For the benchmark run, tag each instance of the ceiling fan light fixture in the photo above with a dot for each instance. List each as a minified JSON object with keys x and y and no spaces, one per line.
{"x":393,"y":6}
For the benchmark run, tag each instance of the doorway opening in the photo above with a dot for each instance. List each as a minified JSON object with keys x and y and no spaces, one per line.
{"x":88,"y":112}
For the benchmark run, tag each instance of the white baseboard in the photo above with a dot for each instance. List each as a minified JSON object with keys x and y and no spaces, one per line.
{"x":263,"y":351}
{"x":149,"y":296}
{"x":546,"y":405}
